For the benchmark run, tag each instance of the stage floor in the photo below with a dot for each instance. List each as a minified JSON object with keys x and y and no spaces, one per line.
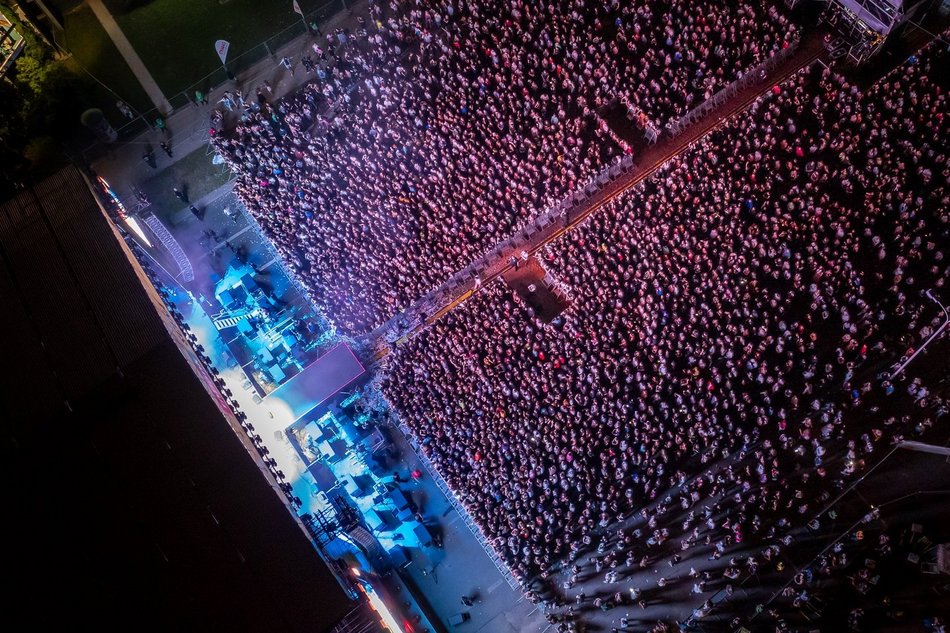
{"x":535,"y":286}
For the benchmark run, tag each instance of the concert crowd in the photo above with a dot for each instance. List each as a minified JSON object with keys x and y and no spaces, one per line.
{"x":725,"y":365}
{"x":426,"y":136}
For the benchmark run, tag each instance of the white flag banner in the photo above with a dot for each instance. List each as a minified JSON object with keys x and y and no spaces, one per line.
{"x":297,"y":8}
{"x":221,"y":47}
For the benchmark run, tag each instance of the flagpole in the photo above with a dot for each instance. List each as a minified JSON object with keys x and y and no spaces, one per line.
{"x":303,"y":18}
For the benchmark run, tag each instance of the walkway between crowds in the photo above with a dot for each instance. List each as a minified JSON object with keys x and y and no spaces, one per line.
{"x":461,"y":286}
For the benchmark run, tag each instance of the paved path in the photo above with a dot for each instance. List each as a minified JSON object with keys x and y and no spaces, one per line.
{"x":131,"y":57}
{"x":461,"y":286}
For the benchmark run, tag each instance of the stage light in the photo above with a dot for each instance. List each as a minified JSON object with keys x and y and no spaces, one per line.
{"x":120,"y":208}
{"x":134,"y":225}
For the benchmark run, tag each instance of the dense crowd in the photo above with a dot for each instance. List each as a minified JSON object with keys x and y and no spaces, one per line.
{"x":725,"y":364}
{"x":439,"y":125}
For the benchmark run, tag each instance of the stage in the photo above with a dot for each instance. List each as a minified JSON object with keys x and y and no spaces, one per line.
{"x":319,"y":381}
{"x":537,"y":288}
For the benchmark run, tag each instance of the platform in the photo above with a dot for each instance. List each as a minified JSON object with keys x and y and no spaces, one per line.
{"x":319,"y":381}
{"x":537,"y":288}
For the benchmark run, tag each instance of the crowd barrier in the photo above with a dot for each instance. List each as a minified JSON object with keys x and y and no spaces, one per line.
{"x":756,"y":73}
{"x":460,"y":508}
{"x":569,"y":208}
{"x":564,"y":210}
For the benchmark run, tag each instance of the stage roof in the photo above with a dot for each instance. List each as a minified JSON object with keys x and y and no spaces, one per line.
{"x":319,"y":381}
{"x":880,"y":15}
{"x":172,"y":526}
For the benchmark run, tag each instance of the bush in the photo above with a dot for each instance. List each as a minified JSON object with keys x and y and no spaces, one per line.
{"x":39,"y":107}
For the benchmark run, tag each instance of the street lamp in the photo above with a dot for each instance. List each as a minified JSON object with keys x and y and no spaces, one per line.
{"x":936,"y":333}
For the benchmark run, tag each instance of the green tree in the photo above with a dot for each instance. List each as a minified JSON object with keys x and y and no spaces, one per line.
{"x":40,"y":107}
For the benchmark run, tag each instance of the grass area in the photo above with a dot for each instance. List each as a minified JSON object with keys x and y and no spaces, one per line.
{"x":63,"y":6}
{"x":93,"y":51}
{"x":194,"y":174}
{"x":175,"y":38}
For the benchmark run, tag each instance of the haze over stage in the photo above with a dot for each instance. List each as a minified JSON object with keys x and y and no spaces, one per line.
{"x":319,"y":381}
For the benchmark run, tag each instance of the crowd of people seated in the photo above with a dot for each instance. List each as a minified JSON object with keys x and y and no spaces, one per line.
{"x":437,"y":127}
{"x":726,"y":363}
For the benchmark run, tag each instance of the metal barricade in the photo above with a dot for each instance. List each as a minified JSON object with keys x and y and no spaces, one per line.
{"x":460,"y":508}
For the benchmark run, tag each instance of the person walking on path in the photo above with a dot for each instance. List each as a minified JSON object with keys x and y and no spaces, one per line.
{"x":166,"y":148}
{"x":124,"y":108}
{"x":181,"y":195}
{"x":200,"y":98}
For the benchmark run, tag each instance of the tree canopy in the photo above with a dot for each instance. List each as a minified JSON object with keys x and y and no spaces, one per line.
{"x":41,"y":100}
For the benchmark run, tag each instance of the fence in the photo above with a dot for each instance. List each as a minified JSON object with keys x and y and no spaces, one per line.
{"x":414,"y":317}
{"x":459,"y":507}
{"x":567,"y":211}
{"x":756,"y":73}
{"x":624,"y":165}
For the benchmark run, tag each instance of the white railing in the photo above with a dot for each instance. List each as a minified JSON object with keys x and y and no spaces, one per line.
{"x":459,"y":507}
{"x":756,"y":73}
{"x":174,"y":248}
{"x":563,"y":210}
